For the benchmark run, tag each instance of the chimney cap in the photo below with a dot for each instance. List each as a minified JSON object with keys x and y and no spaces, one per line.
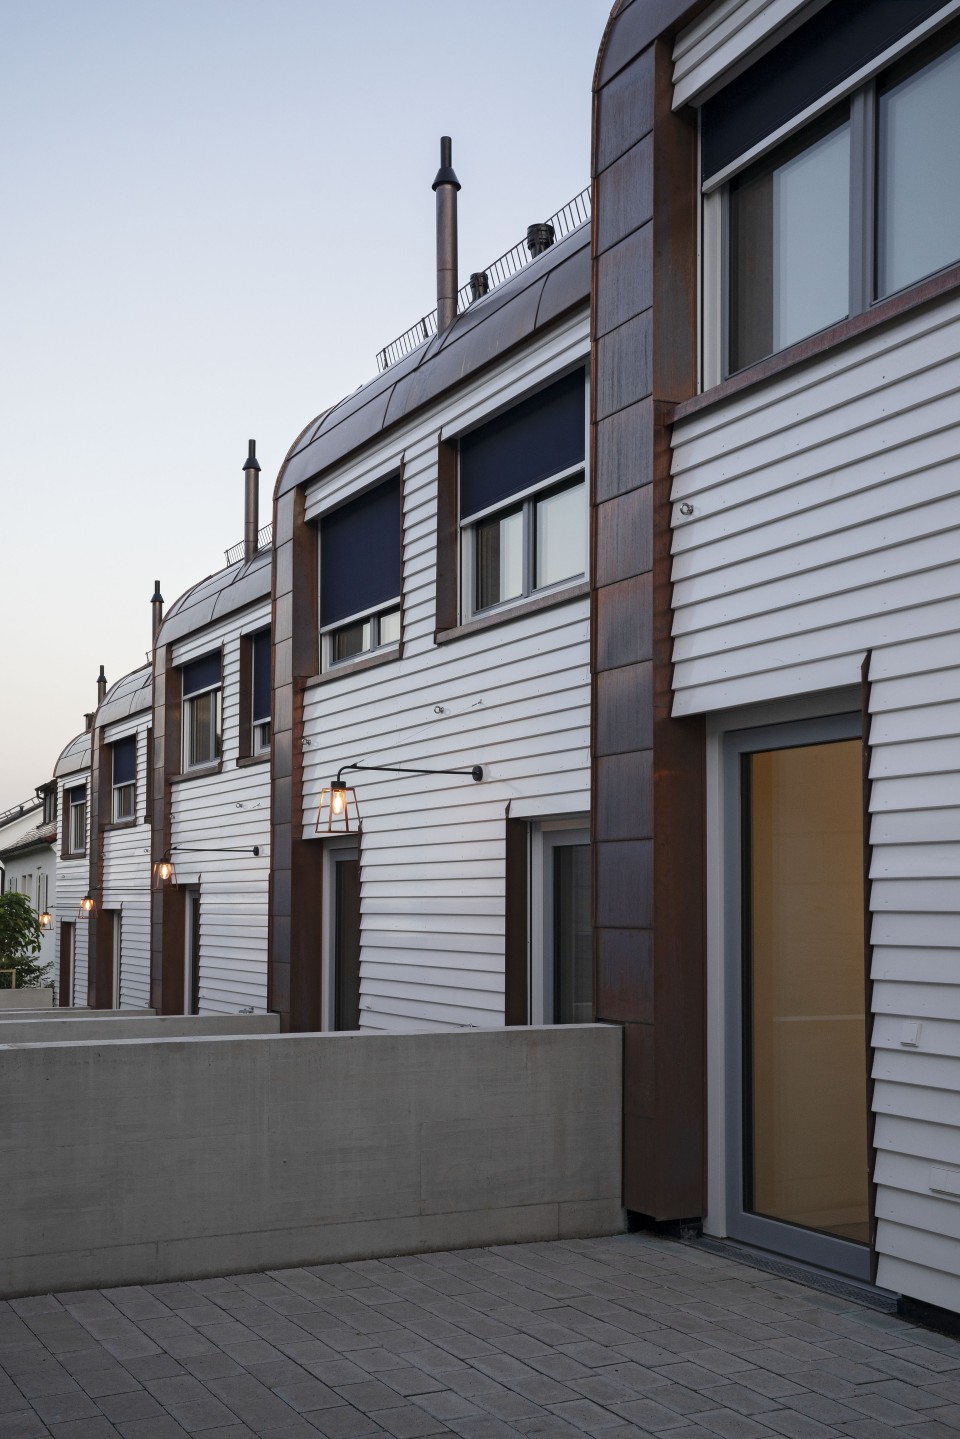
{"x":446,"y":174}
{"x":250,"y":463}
{"x":157,"y":596}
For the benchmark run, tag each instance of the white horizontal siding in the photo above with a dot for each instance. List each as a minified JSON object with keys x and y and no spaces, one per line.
{"x":826,"y":519}
{"x":514,"y":698}
{"x":127,"y":871}
{"x":227,"y":810}
{"x":915,"y":905}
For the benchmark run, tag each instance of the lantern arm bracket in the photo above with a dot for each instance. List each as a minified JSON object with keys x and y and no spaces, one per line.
{"x":253,"y":849}
{"x":475,"y":771}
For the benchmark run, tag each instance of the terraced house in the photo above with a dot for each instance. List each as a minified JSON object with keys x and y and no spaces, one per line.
{"x":602,"y":661}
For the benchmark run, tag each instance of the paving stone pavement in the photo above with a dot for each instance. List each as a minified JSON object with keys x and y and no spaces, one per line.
{"x":612,"y":1338}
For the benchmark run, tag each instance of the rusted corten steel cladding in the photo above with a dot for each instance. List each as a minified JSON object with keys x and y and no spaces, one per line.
{"x":648,"y":769}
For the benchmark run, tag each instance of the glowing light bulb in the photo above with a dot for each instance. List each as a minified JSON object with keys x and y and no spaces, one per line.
{"x":337,"y":801}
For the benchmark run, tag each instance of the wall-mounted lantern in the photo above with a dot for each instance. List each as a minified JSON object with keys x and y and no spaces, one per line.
{"x":88,"y":907}
{"x":45,"y":920}
{"x":339,"y":812}
{"x":165,"y":871}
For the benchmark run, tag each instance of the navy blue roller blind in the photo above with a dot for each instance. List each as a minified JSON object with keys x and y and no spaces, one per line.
{"x":538,"y":438}
{"x":360,"y":554}
{"x":831,"y":46}
{"x":260,"y":643}
{"x":124,"y":760}
{"x":77,"y":795}
{"x":201,"y":674}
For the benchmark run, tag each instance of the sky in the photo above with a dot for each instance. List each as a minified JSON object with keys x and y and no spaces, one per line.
{"x":214,"y":214}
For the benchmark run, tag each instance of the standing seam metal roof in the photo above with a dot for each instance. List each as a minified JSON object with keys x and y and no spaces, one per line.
{"x":546,"y":288}
{"x":128,"y":696}
{"x":224,"y":593}
{"x":75,"y":757}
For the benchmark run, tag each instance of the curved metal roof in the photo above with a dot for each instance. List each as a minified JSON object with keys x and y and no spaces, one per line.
{"x":128,"y":696}
{"x":546,"y":288}
{"x":224,"y":593}
{"x":75,"y":757}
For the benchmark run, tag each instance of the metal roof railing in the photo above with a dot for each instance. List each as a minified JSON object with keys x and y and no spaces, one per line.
{"x":574,"y":214}
{"x":17,"y":810}
{"x":264,"y":540}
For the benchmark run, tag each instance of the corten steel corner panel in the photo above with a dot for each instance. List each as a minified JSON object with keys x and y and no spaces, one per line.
{"x":296,"y":889}
{"x":648,"y":769}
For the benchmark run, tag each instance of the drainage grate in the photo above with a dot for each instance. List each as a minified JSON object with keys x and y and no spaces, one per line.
{"x":868,"y":1294}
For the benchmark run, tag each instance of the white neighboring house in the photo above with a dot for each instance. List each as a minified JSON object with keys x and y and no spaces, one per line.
{"x":72,"y":776}
{"x":29,"y":860}
{"x":122,"y":815}
{"x":212,"y":781}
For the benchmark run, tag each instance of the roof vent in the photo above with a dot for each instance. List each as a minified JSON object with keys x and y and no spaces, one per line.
{"x":540,"y":238}
{"x":87,"y":723}
{"x":479,"y":285}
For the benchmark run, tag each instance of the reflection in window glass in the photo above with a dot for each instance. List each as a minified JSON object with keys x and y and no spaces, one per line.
{"x":203,"y":728}
{"x":560,"y":536}
{"x":390,"y":627}
{"x":919,"y":175}
{"x":499,"y":559}
{"x":351,"y":640}
{"x":789,"y":247}
{"x":806,"y":1146}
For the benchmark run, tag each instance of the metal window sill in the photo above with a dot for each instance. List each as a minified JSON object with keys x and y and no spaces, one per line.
{"x":351,"y":667}
{"x":504,"y":616}
{"x":197,"y":772}
{"x":883,"y":312}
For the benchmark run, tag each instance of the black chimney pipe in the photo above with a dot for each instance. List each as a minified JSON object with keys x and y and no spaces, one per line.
{"x":251,"y":504}
{"x":156,"y":609}
{"x":445,"y":188}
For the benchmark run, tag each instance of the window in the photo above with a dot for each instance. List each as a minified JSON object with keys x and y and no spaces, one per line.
{"x":861,"y":202}
{"x":260,"y":691}
{"x":523,"y":518}
{"x":49,"y":796}
{"x":75,"y":819}
{"x":201,"y":711}
{"x":360,"y":552}
{"x":123,"y":758}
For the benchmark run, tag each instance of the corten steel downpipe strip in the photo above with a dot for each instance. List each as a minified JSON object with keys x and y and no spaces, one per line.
{"x":445,"y":188}
{"x":251,"y":503}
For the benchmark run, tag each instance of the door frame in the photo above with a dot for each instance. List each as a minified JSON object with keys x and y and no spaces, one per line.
{"x":344,"y":847}
{"x":546,"y":835}
{"x":807,"y":1245}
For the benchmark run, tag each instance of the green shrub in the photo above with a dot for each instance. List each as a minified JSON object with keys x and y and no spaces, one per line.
{"x":20,"y":935}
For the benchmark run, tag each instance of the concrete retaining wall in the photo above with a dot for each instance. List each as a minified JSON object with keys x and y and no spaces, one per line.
{"x":25,"y":999}
{"x":143,"y":1161}
{"x":119,"y":1024}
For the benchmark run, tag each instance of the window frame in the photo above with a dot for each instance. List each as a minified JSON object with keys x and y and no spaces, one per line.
{"x":70,"y":807}
{"x":373,"y":617}
{"x":373,"y":614}
{"x":911,"y":54}
{"x":526,"y":500}
{"x":117,"y":789}
{"x":215,"y":727}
